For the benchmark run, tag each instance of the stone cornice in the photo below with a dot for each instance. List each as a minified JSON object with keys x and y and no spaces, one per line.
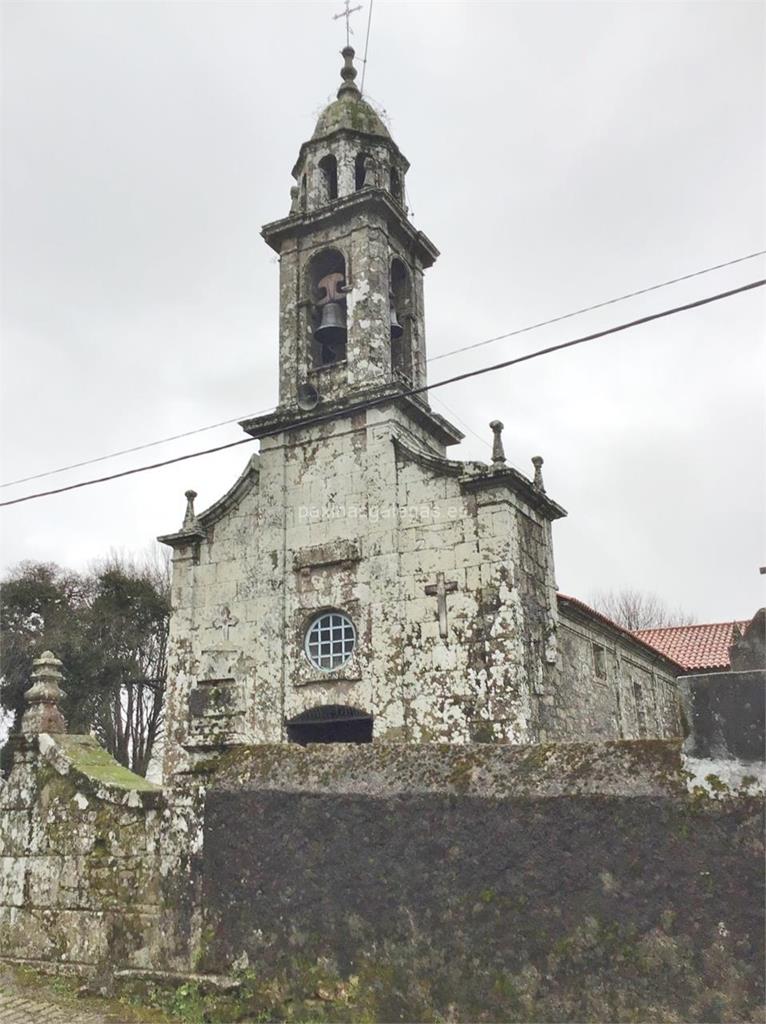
{"x":293,"y":418}
{"x":275,"y":232}
{"x":247,"y":479}
{"x":182,"y":538}
{"x":475,"y":476}
{"x":489,"y":478}
{"x":434,"y":463}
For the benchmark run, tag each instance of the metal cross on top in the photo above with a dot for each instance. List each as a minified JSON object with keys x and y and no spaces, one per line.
{"x":347,"y":15}
{"x":439,"y":590}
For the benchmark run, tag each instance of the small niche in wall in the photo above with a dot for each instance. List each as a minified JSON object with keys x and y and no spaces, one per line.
{"x":395,"y":185}
{"x":599,"y":661}
{"x":360,"y":170}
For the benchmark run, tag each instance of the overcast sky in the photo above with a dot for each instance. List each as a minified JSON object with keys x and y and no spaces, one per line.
{"x":562,"y":154}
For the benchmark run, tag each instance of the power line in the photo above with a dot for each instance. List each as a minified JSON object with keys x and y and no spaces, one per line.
{"x":410,"y":392}
{"x":366,"y":46}
{"x":597,"y":305}
{"x":443,"y":355}
{"x":462,"y":422}
{"x":136,"y":448}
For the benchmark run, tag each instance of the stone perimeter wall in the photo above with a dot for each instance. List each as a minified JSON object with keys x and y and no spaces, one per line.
{"x":79,"y":857}
{"x":549,"y":883}
{"x":555,"y":882}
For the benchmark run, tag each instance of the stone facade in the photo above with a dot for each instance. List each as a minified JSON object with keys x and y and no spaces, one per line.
{"x":356,"y":516}
{"x":443,"y":568}
{"x":612,"y":685}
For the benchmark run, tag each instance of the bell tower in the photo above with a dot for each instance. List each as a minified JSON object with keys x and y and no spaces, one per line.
{"x":351,"y":321}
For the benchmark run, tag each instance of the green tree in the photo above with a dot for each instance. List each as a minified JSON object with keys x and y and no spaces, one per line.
{"x":41,"y":606}
{"x":109,"y":627}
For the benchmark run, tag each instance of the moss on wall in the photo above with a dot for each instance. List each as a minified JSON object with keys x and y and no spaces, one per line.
{"x":88,"y":757}
{"x":477,"y":891}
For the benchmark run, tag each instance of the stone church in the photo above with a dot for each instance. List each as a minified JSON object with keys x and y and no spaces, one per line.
{"x":373,"y":807}
{"x":357,"y":583}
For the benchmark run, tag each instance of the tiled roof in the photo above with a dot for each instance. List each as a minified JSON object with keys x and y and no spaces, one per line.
{"x":701,"y":648}
{"x":565,"y":600}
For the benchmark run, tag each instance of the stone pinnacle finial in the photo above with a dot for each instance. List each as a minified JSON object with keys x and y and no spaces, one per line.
{"x":43,"y":696}
{"x":190,"y":519}
{"x":537,"y":462}
{"x":348,"y":74}
{"x":498,"y":452}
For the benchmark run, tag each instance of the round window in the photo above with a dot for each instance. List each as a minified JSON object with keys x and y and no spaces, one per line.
{"x":330,"y":641}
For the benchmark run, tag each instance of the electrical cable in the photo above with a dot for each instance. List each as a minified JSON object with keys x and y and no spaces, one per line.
{"x":136,"y":448}
{"x":366,"y":46}
{"x":407,"y":393}
{"x":597,"y":305}
{"x":432,"y":359}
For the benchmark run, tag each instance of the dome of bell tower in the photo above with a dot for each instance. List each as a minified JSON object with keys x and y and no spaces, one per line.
{"x":350,"y":149}
{"x":349,"y":110}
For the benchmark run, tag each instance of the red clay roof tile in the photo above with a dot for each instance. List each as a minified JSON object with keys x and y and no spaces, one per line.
{"x":697,"y":648}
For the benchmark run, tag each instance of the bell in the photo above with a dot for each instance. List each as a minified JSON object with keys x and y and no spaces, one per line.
{"x":396,"y":328}
{"x":331,"y":332}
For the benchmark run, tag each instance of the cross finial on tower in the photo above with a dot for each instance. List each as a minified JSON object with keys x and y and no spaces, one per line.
{"x":347,"y":15}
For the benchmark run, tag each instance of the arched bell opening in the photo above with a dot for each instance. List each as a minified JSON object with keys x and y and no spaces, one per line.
{"x":328,"y":166}
{"x":400,"y":319}
{"x":330,"y":723}
{"x":364,"y":167}
{"x":327,"y":289}
{"x":395,"y":185}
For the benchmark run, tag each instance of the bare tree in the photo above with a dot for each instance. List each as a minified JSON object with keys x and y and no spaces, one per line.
{"x":109,"y":626}
{"x":637,"y":609}
{"x":129,"y":618}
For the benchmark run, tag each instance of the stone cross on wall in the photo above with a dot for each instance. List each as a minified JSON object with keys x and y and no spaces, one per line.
{"x":225,"y":621}
{"x":439,"y":590}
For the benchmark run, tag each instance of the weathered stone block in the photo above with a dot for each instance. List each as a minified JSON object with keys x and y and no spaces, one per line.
{"x":12,"y":874}
{"x":15,"y":832}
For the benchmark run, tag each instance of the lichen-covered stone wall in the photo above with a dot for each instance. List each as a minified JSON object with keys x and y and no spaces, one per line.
{"x":609,"y":687}
{"x":80,"y":858}
{"x":546,"y":884}
{"x":390,"y":881}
